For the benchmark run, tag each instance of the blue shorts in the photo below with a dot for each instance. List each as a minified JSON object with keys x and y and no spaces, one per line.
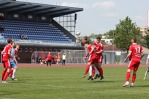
{"x":12,"y":64}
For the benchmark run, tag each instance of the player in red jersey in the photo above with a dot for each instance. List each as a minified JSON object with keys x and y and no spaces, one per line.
{"x":49,"y":59}
{"x":5,"y":59}
{"x":99,"y":49}
{"x":85,"y":39}
{"x":92,"y":57}
{"x":136,"y":53}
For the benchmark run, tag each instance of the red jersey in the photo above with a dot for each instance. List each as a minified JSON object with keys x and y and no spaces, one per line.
{"x":16,"y":52}
{"x":49,"y":57}
{"x":99,"y":47}
{"x":135,"y":50}
{"x":5,"y":52}
{"x":89,"y":49}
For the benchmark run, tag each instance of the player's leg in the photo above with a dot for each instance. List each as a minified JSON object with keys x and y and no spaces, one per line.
{"x":90,"y":72}
{"x":86,"y":70}
{"x":127,"y":77}
{"x":130,"y":68}
{"x":146,"y":73}
{"x":50,"y":62}
{"x":133,"y":78}
{"x":7,"y":68}
{"x":96,"y":72}
{"x":14,"y":73}
{"x":134,"y":73}
{"x":100,"y":68}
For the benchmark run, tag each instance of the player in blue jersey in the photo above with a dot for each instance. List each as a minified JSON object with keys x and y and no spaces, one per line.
{"x":13,"y":63}
{"x":147,"y":63}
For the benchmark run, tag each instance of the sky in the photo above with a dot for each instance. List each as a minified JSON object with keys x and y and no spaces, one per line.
{"x":100,"y":16}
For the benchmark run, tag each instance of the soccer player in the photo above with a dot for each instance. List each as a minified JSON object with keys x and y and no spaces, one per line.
{"x":49,"y":59}
{"x":99,"y":49}
{"x":85,"y":39}
{"x":136,"y":53}
{"x":5,"y":59}
{"x":92,"y":57}
{"x":146,"y":73}
{"x":13,"y":61}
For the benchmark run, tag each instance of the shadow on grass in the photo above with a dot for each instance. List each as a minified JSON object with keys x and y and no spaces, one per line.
{"x":141,"y":86}
{"x":7,"y":93}
{"x":98,"y":81}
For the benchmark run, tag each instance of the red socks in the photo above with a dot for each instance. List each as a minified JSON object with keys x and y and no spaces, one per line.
{"x":133,"y":78}
{"x":127,"y":76}
{"x":11,"y":73}
{"x":100,"y":71}
{"x":3,"y":73}
{"x":5,"y":76}
{"x":93,"y":71}
{"x":87,"y":69}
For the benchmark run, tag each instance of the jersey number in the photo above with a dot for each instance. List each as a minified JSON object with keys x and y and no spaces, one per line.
{"x":137,"y":50}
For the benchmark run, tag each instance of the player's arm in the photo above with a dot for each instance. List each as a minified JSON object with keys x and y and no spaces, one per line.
{"x":99,"y":52}
{"x":147,"y":60}
{"x":9,"y":53}
{"x":15,"y":60}
{"x":93,"y":47}
{"x":142,"y":53}
{"x":129,"y":54}
{"x":86,"y":55}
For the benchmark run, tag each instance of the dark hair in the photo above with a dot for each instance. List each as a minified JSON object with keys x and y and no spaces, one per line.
{"x":85,"y":38}
{"x":99,"y":38}
{"x":9,"y":40}
{"x":87,"y":42}
{"x":134,"y":39}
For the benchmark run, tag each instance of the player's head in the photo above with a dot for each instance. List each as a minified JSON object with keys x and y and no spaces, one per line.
{"x":9,"y":41}
{"x":49,"y":52}
{"x":134,"y":40}
{"x":86,"y":43}
{"x":84,"y":39}
{"x":98,"y":39}
{"x":17,"y":45}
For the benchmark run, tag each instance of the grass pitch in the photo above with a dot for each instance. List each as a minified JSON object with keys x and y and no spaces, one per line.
{"x":67,"y":83}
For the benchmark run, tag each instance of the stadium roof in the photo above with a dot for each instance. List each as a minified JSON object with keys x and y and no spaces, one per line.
{"x":36,"y":8}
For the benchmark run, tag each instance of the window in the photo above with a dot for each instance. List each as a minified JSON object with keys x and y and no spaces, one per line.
{"x":16,"y":15}
{"x":43,"y":18}
{"x":30,"y":16}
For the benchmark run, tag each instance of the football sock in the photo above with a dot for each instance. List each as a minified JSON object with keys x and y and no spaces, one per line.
{"x":3,"y":73}
{"x":87,"y":69}
{"x":90,"y":71}
{"x":100,"y":71}
{"x":145,"y":76}
{"x":13,"y":74}
{"x":5,"y":76}
{"x":93,"y":71}
{"x":133,"y":78}
{"x":127,"y":76}
{"x":96,"y":70}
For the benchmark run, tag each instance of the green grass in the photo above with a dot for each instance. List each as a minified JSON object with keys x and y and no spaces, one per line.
{"x":67,"y":83}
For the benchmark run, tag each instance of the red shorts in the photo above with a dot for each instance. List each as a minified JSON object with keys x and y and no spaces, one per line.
{"x":133,"y":65}
{"x":93,"y":59}
{"x":100,"y":58}
{"x":6,"y":64}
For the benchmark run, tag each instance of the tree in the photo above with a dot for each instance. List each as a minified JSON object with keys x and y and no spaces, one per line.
{"x":110,"y":34}
{"x":147,"y":40}
{"x":124,"y":32}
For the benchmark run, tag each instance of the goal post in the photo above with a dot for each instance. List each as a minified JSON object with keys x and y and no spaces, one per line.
{"x":72,"y":56}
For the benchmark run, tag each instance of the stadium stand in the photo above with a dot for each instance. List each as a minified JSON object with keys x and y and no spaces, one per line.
{"x":44,"y":32}
{"x":34,"y":27}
